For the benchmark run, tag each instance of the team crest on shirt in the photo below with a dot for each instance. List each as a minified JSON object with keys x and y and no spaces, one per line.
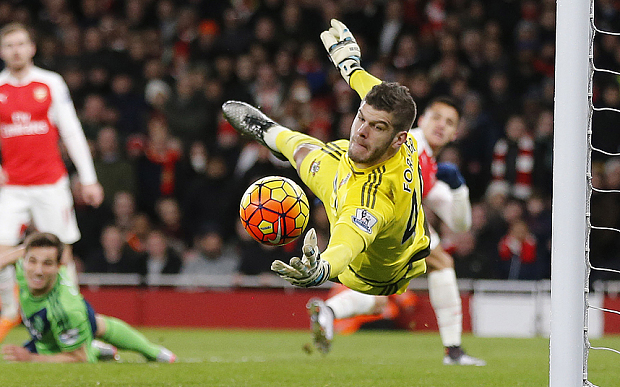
{"x":70,"y":336}
{"x":314,"y":168}
{"x":364,"y":220}
{"x":40,"y":94}
{"x":3,"y":98}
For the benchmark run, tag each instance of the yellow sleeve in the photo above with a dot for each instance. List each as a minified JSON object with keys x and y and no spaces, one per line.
{"x":362,"y":81}
{"x":344,"y":245}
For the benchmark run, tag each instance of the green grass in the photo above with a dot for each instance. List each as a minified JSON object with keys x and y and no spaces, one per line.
{"x":275,"y":358}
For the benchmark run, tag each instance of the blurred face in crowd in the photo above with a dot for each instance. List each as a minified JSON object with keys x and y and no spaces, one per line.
{"x":439,"y":124}
{"x":17,"y":49}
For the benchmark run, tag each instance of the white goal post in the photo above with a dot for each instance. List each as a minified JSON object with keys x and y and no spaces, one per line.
{"x":567,"y":356}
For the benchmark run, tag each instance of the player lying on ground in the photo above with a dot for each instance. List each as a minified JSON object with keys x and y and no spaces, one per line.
{"x":444,"y":193}
{"x":61,"y":323}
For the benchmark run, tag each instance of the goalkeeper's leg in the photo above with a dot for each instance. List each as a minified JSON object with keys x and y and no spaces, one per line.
{"x":295,"y":146}
{"x":123,"y":336}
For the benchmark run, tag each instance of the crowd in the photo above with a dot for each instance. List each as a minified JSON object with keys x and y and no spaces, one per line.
{"x":148,"y":78}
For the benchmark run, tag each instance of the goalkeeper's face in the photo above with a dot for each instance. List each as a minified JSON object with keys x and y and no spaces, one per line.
{"x":373,"y":138}
{"x":41,"y":268}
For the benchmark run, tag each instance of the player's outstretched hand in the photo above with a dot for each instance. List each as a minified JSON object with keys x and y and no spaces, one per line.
{"x":343,"y":50}
{"x":449,"y":173}
{"x":309,"y":270}
{"x":12,"y":352}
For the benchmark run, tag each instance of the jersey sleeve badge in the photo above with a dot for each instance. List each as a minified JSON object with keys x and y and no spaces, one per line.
{"x":70,"y":336}
{"x":364,"y":220}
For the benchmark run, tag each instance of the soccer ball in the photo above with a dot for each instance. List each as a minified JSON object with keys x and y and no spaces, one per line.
{"x":274,"y":210}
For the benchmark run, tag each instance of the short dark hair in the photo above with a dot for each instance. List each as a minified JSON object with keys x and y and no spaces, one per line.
{"x":446,"y":100}
{"x":15,"y":26}
{"x":394,"y":98}
{"x":44,"y":239}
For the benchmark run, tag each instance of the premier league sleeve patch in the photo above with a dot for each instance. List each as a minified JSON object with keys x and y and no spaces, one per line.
{"x":364,"y":220}
{"x":70,"y":336}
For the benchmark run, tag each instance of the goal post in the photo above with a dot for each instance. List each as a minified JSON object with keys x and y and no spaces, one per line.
{"x":567,"y":356}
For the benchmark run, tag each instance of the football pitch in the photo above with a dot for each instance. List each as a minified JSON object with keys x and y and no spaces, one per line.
{"x":369,"y":358}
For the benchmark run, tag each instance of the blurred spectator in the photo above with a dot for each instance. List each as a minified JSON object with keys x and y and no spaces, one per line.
{"x":123,"y":210}
{"x":517,"y":251}
{"x":210,"y":255}
{"x":137,"y":235}
{"x":513,"y":159}
{"x":115,"y":173}
{"x":170,"y":222}
{"x":185,"y":111}
{"x":114,"y":256}
{"x":90,"y":222}
{"x":312,"y":68}
{"x":255,"y":258}
{"x":156,"y":168}
{"x":605,"y":212}
{"x":210,"y":198}
{"x":477,"y":135}
{"x":131,"y":106}
{"x":605,"y":135}
{"x":542,"y":174}
{"x":159,"y":258}
{"x":93,"y":115}
{"x":267,"y":90}
{"x":538,"y":217}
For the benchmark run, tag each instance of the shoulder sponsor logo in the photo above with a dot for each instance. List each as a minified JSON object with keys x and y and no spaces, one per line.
{"x":364,"y":220}
{"x":70,"y":336}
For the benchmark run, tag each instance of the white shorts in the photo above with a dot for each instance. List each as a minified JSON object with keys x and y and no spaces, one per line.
{"x":48,"y":207}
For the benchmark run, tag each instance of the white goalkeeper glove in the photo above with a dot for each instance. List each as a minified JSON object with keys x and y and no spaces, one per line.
{"x":343,"y":50}
{"x":309,"y":270}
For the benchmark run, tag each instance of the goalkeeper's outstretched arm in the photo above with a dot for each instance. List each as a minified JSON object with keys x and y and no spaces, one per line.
{"x":345,"y":54}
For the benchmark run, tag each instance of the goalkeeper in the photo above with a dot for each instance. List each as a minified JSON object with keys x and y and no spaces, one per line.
{"x":444,"y":193}
{"x":62,"y":325}
{"x":370,"y":184}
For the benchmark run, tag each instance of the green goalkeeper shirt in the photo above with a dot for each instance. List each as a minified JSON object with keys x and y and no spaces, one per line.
{"x":57,"y":321}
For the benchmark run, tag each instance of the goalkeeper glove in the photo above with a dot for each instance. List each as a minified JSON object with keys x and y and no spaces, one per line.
{"x":310,"y":270}
{"x":343,"y":50}
{"x":449,"y":173}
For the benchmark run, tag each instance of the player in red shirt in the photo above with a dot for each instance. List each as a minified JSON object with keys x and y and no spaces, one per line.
{"x":444,"y":193}
{"x":35,"y":112}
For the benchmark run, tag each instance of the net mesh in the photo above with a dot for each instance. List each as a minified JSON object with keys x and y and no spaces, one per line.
{"x":594,"y":31}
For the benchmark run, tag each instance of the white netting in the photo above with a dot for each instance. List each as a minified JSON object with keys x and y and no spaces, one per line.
{"x":589,"y":267}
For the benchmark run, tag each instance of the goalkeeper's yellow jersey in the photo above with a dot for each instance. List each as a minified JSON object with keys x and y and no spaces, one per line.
{"x":378,"y":239}
{"x":381,"y":206}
